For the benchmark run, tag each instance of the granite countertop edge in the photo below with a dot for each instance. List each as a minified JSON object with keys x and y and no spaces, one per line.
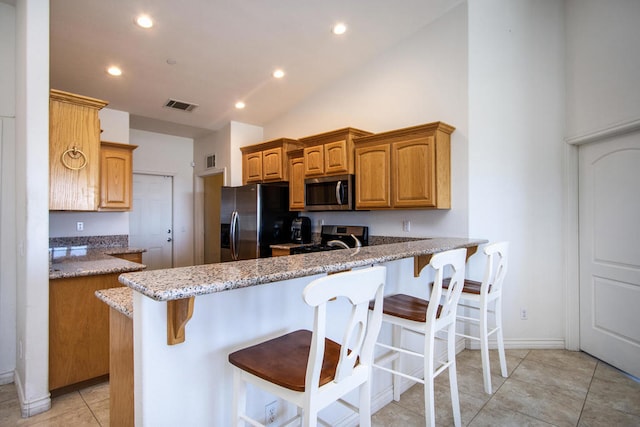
{"x":91,"y":262}
{"x":186,"y":282}
{"x":120,"y":299}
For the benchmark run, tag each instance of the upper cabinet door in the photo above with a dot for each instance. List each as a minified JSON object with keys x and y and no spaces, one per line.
{"x":413,"y":166}
{"x":336,"y":160}
{"x":314,"y":160}
{"x":272,"y":165}
{"x":74,"y":152}
{"x":296,"y":183}
{"x":252,"y":167}
{"x":116,"y":176}
{"x":373,"y":177}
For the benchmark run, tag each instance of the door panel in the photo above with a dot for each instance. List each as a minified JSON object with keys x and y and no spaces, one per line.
{"x":609,"y":251}
{"x":151,"y":219}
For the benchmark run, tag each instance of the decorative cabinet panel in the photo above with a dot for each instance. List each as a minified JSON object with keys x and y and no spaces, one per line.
{"x":406,"y":168}
{"x":74,"y":151}
{"x":330,"y":153}
{"x":267,"y":161}
{"x":296,"y":180}
{"x":116,"y":176}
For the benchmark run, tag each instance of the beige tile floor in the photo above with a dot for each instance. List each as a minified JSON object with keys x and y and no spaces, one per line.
{"x":544,"y":387}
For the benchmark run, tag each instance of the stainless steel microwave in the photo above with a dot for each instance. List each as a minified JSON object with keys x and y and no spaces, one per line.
{"x":329,"y":193}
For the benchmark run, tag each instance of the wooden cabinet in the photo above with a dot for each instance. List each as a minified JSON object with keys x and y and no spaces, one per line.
{"x":74,"y":150}
{"x":131,"y":256}
{"x":330,"y":153}
{"x":373,"y":178}
{"x":296,"y":180}
{"x":406,"y":168}
{"x":78,"y":329}
{"x":267,"y":161}
{"x":116,"y":176}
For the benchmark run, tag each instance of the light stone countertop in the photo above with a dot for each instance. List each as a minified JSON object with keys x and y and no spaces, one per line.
{"x":120,"y":299}
{"x":79,"y":261}
{"x":185,"y":282}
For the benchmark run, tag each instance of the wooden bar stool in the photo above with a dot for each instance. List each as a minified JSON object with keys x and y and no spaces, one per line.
{"x":309,"y":369}
{"x":479,"y":297}
{"x":411,"y":314}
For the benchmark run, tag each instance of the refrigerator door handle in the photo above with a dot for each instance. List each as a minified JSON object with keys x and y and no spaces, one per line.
{"x":233,"y":235}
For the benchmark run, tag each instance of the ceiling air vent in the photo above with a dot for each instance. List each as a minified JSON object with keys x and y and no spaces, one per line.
{"x":180,"y":105}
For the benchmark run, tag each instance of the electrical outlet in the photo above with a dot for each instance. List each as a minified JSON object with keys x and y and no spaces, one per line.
{"x":79,"y":226}
{"x":406,"y":225}
{"x":523,"y":314}
{"x":271,"y":413}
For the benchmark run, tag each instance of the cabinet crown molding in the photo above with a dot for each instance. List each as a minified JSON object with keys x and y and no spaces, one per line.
{"x":275,"y":143}
{"x":332,"y":135}
{"x":404,"y":132}
{"x":72,"y":98}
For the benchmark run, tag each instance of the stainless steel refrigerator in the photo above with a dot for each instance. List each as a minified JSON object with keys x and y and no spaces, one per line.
{"x":253,"y":217}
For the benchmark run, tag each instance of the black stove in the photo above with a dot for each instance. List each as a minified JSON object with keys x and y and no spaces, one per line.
{"x":334,"y":237}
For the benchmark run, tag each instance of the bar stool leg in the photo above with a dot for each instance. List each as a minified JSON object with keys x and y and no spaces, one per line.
{"x":429,"y":393}
{"x":453,"y":375}
{"x":239,"y":398}
{"x":398,"y":342}
{"x":499,"y":336}
{"x":484,"y":347}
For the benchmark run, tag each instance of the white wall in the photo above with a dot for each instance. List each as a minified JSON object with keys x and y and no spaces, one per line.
{"x":161,"y":154}
{"x":516,"y":120}
{"x":31,"y":204}
{"x":603,"y":60}
{"x":241,"y":134}
{"x":7,"y":195}
{"x":115,"y":128}
{"x":422,"y":79}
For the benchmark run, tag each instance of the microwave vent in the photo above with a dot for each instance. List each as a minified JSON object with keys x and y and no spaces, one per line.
{"x":211,"y":161}
{"x":180,"y":105}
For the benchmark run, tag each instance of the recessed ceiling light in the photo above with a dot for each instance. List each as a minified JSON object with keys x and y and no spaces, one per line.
{"x":240,"y":105}
{"x":114,"y":71}
{"x":278,"y":74}
{"x":339,"y":29}
{"x":144,"y":21}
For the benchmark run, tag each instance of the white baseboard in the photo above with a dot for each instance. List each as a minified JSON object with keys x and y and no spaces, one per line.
{"x":6,"y":377}
{"x":531,"y":344}
{"x":32,"y":407}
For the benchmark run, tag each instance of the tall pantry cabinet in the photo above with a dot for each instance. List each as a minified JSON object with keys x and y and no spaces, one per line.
{"x":74,"y":151}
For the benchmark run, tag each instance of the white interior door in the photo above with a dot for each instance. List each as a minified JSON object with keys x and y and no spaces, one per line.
{"x":151,"y":220}
{"x":609,"y":184}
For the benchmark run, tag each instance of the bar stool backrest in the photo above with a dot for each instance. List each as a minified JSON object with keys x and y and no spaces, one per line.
{"x":496,"y":268}
{"x":445,"y":313}
{"x":361,"y":330}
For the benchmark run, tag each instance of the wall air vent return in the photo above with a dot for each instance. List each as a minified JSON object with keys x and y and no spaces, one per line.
{"x":180,"y":105}
{"x":211,"y":161}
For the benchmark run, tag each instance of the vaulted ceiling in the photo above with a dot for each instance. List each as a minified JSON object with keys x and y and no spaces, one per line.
{"x":214,"y":53}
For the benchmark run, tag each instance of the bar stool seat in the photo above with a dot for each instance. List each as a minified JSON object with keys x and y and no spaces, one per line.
{"x":283,"y":360}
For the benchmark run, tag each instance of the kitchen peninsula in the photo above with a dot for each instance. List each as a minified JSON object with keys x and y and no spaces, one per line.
{"x":191,"y":383}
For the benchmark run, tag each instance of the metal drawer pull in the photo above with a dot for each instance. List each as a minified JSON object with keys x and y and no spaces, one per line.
{"x":74,"y":153}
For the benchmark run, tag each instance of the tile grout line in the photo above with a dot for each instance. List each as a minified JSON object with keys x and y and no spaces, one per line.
{"x":496,"y":390}
{"x":95,"y":417}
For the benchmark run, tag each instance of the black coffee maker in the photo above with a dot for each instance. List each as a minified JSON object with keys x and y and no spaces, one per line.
{"x":301,"y":230}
